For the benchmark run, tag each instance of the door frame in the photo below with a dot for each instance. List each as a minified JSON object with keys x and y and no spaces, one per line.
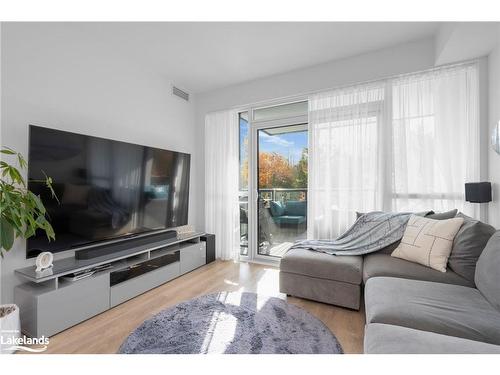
{"x":253,"y":128}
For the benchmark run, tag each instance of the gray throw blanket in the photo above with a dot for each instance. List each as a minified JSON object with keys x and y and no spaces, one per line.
{"x":371,"y":232}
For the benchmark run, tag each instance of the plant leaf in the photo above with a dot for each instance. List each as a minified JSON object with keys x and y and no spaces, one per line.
{"x":22,"y":161}
{"x":15,"y":175}
{"x":6,"y":234}
{"x":38,"y":202}
{"x":7,"y":151}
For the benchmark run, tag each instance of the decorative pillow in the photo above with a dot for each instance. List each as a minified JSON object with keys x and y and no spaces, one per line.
{"x":440,"y":216}
{"x":468,"y":245}
{"x":428,"y":241}
{"x":277,"y":208}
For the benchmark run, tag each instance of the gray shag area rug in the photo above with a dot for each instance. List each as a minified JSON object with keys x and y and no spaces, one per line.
{"x":230,"y":322}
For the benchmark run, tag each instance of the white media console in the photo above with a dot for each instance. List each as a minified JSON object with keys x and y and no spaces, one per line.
{"x":50,"y":303}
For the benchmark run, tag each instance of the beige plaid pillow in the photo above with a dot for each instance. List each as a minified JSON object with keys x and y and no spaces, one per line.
{"x":428,"y":241}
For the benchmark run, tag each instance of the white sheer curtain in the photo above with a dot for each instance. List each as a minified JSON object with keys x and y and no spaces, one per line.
{"x":435,"y":139}
{"x":403,"y":144}
{"x":345,"y":164}
{"x":221,"y":182}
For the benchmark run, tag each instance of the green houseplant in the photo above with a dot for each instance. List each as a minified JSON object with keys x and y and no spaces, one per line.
{"x":21,"y":211}
{"x":21,"y":214}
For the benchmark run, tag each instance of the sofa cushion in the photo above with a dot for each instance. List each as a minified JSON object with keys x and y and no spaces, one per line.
{"x":442,"y":215}
{"x":389,"y":339}
{"x":379,"y":264}
{"x":468,"y":245}
{"x":328,"y":291}
{"x":296,"y":208}
{"x":277,"y":208}
{"x":446,"y":309}
{"x":324,"y":266}
{"x":287,"y":219}
{"x":428,"y":241}
{"x":389,"y":248}
{"x":487,"y":276}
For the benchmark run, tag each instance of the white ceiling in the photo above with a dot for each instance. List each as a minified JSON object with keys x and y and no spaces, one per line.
{"x":199,"y":57}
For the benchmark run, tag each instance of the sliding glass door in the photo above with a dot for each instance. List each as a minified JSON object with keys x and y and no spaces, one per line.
{"x":273,"y":180}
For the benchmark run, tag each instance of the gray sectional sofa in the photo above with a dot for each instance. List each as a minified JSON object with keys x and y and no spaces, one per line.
{"x":411,"y":308}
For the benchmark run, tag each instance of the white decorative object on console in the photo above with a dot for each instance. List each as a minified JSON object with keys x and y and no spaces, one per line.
{"x":44,"y":261}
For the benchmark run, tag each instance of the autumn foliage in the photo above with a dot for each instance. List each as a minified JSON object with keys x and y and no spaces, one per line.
{"x":276,"y":172}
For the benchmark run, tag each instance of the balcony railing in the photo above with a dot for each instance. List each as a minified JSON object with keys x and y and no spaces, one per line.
{"x":283,"y":194}
{"x":274,"y":194}
{"x":268,"y":230}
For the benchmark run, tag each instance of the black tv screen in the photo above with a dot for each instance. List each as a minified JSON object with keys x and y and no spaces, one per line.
{"x":106,"y":189}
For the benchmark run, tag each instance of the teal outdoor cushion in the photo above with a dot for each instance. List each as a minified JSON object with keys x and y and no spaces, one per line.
{"x":288,"y":219}
{"x":277,"y":208}
{"x":296,"y":208}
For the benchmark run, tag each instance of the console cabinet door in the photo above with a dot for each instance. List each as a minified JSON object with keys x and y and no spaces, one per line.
{"x":72,"y":304}
{"x":193,"y":256}
{"x":140,"y":284}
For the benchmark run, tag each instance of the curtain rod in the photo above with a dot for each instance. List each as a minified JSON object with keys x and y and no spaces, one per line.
{"x":303,"y":96}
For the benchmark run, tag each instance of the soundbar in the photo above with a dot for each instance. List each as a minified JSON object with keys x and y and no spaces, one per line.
{"x":125,"y":244}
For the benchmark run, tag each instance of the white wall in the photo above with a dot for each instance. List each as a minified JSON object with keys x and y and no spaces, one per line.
{"x":400,"y":59}
{"x":49,"y":79}
{"x":458,"y":41}
{"x":494,"y":117}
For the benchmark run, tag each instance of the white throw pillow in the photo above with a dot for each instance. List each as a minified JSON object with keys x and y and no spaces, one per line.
{"x":428,"y":241}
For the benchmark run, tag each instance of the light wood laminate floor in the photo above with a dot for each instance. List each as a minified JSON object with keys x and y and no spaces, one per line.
{"x":104,"y":333}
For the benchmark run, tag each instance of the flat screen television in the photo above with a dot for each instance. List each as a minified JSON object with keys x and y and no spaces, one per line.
{"x":106,"y":189}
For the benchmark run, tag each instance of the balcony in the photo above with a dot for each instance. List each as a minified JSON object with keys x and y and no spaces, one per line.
{"x":282,"y":220}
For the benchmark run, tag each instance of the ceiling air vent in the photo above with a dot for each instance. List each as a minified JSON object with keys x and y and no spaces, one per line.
{"x":181,"y":94}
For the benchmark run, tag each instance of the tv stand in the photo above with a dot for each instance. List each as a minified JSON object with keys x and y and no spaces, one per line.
{"x":50,"y":303}
{"x":115,"y":246}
